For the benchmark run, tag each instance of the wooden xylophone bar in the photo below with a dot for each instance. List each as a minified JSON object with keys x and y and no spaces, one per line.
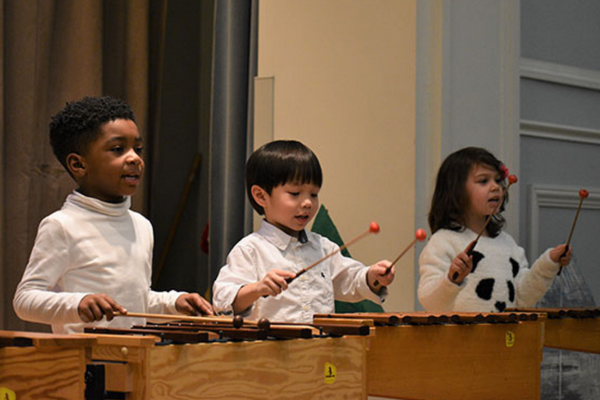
{"x":182,"y":331}
{"x":424,"y":318}
{"x":557,"y":312}
{"x":176,"y":336}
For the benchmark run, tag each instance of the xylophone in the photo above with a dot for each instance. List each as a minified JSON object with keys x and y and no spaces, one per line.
{"x":452,"y":356}
{"x":183,"y":360}
{"x":571,"y":328}
{"x":42,"y":365}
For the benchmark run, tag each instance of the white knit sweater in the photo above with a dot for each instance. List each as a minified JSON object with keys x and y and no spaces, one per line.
{"x":500,"y":279}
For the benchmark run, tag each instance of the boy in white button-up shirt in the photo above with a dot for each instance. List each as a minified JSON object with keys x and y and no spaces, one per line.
{"x":283,"y":179}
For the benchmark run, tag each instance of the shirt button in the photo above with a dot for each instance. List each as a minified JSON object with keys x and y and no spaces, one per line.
{"x":305,"y":308}
{"x":302,"y":278}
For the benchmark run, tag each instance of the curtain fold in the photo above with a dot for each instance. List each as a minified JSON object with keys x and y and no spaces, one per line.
{"x":2,"y":236}
{"x":55,"y":52}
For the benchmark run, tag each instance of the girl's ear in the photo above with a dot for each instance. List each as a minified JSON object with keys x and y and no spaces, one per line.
{"x":76,"y":165}
{"x":259,"y":194}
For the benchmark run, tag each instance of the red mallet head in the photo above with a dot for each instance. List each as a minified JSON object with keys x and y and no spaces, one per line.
{"x":512,"y":179}
{"x":374,"y":227}
{"x":583,"y":193}
{"x":421,"y":234}
{"x":504,"y":170}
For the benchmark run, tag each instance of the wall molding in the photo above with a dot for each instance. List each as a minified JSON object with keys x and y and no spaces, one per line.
{"x":554,"y":196}
{"x":566,"y":133}
{"x":560,"y":73}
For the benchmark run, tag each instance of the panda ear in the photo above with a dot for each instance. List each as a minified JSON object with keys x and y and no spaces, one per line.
{"x":477,"y":256}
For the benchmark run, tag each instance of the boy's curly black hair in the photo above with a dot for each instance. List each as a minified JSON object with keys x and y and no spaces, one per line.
{"x":78,"y":124}
{"x":279,"y":162}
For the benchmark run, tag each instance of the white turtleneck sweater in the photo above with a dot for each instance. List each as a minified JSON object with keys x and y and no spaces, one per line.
{"x":90,"y":247}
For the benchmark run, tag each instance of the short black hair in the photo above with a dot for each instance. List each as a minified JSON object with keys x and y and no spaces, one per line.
{"x":78,"y":124}
{"x":279,"y":162}
{"x":450,"y":198}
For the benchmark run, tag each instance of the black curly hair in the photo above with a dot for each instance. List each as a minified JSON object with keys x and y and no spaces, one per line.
{"x":279,"y":162}
{"x":78,"y":124}
{"x":450,"y":197}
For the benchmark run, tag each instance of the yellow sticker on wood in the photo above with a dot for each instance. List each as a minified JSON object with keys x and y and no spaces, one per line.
{"x":330,"y":373}
{"x":7,"y":394}
{"x":510,"y":339}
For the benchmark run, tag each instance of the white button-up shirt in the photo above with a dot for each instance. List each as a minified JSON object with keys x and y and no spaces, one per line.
{"x":314,"y":292}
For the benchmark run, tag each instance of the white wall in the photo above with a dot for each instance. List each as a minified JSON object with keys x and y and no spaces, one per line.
{"x":343,"y":82}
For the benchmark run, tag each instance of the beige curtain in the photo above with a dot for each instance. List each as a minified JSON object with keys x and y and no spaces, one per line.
{"x":57,"y":51}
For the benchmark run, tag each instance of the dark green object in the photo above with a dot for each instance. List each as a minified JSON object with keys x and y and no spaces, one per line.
{"x":324,"y":226}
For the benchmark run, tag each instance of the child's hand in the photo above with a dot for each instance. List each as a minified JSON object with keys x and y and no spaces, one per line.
{"x":556,"y":255}
{"x":274,"y":282}
{"x":380,"y":273}
{"x":193,"y":304}
{"x":94,"y":307}
{"x":461,"y":266}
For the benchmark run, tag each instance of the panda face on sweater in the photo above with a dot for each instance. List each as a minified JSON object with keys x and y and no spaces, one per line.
{"x":489,"y":289}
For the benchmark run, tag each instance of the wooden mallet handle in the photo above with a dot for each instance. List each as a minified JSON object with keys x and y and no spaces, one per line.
{"x":582,"y":195}
{"x":236,"y":322}
{"x":420,"y":235}
{"x":373,"y":228}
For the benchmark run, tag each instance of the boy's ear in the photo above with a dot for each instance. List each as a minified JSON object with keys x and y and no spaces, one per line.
{"x":76,"y":165}
{"x":259,"y":194}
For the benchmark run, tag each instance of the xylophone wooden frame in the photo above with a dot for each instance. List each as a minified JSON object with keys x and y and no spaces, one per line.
{"x":463,"y":356}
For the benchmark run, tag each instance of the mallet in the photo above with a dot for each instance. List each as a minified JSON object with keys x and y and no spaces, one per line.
{"x":373,"y":228}
{"x":236,"y":322}
{"x":582,"y":195}
{"x":420,"y":235}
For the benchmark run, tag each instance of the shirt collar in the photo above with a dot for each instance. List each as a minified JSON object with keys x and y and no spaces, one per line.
{"x":279,"y":238}
{"x":102,"y":207}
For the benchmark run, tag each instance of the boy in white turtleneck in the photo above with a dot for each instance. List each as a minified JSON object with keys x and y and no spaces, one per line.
{"x":93,"y":257}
